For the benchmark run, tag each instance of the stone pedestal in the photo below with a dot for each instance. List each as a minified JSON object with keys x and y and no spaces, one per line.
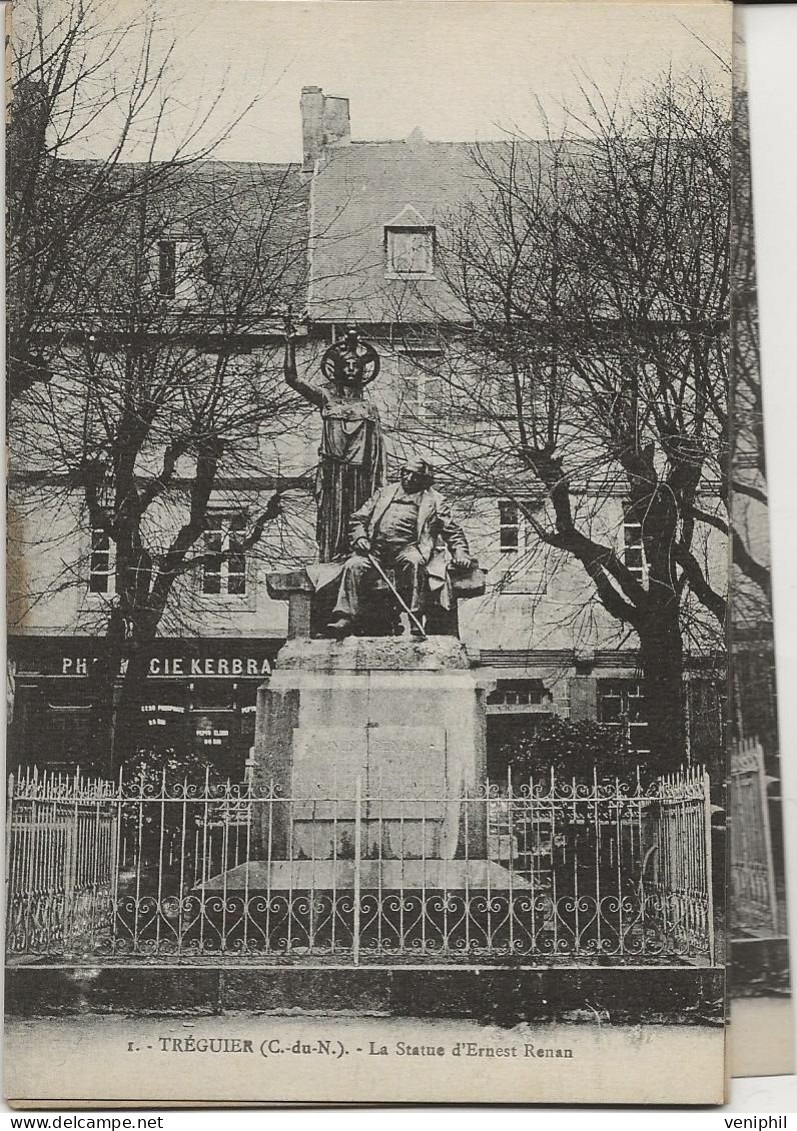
{"x":371,"y":745}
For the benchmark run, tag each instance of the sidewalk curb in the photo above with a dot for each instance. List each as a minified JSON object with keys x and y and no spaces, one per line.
{"x":505,"y":995}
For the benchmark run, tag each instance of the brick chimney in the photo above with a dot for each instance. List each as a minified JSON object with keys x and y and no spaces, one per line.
{"x":325,"y":123}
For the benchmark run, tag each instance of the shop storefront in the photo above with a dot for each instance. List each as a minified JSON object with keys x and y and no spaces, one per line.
{"x":200,"y":698}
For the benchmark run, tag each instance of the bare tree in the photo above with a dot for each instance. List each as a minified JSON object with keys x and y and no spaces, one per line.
{"x":595,"y":274}
{"x":83,"y":77}
{"x":167,"y":390}
{"x":149,"y":295}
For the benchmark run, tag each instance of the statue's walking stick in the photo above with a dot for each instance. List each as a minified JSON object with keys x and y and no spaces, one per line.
{"x":413,"y":619}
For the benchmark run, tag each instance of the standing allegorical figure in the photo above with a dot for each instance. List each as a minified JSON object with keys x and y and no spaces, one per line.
{"x":351,"y":464}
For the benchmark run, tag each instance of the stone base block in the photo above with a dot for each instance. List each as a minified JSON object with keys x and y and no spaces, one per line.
{"x":385,"y":730}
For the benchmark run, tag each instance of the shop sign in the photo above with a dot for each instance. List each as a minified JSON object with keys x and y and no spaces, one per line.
{"x":229,"y":666}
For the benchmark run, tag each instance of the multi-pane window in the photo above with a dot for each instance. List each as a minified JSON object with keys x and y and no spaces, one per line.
{"x":524,"y":564}
{"x":167,"y":268}
{"x":517,"y":693}
{"x":225,"y":566}
{"x":410,"y":252}
{"x":423,"y":394}
{"x":621,"y":703}
{"x":420,"y":399}
{"x":509,"y":520}
{"x":100,"y":562}
{"x":633,"y":547}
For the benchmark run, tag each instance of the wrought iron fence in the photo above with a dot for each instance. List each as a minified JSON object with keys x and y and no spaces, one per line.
{"x":61,"y":860}
{"x":606,"y":869}
{"x":753,"y":892}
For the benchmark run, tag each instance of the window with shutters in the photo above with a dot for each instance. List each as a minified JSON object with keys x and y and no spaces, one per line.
{"x":167,"y":268}
{"x":180,"y":266}
{"x":633,"y":546}
{"x":101,"y":564}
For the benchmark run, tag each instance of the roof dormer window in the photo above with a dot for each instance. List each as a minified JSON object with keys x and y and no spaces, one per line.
{"x":409,"y":246}
{"x":178,"y":263}
{"x":167,"y":268}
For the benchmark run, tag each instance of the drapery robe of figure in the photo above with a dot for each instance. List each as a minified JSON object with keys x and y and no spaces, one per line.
{"x":350,"y":469}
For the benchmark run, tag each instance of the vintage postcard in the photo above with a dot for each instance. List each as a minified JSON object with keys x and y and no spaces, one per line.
{"x":368,"y":379}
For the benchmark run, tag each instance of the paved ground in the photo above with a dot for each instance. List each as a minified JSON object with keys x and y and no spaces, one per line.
{"x":260,"y":1058}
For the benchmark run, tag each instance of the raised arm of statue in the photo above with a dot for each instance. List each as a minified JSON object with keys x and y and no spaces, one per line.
{"x":309,"y":392}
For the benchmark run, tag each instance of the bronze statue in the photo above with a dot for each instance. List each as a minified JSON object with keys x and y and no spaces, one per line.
{"x":406,"y":528}
{"x":347,"y":361}
{"x":351,"y":463}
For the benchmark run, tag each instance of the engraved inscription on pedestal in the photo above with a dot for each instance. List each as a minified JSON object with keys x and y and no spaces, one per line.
{"x":327,"y":761}
{"x":392,"y":761}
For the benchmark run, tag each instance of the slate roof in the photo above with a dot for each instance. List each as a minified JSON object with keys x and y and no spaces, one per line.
{"x":243,"y":197}
{"x":367,"y":185}
{"x":237,"y":210}
{"x":363,"y":187}
{"x":248,"y":208}
{"x":325,"y":238}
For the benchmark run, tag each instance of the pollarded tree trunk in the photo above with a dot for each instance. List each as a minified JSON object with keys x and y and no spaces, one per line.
{"x":661,"y":661}
{"x":120,"y":677}
{"x":129,"y":695}
{"x":106,"y":673}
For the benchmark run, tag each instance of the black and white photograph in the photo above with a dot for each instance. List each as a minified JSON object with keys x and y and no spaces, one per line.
{"x":373,"y":480}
